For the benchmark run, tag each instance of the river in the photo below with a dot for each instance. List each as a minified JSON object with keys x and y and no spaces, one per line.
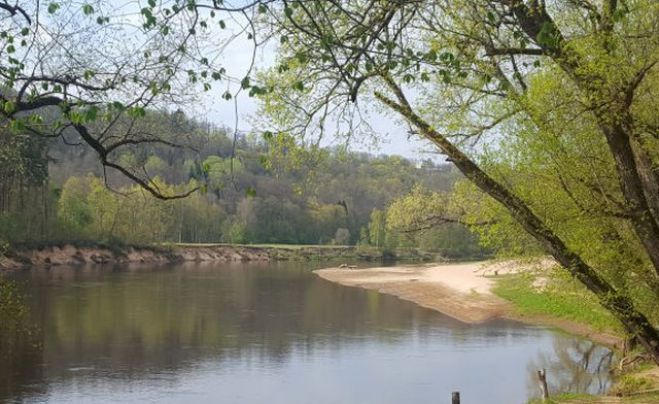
{"x":270,"y":333}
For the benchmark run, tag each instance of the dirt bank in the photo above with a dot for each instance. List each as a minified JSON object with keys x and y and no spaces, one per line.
{"x":462,"y":291}
{"x":70,"y":254}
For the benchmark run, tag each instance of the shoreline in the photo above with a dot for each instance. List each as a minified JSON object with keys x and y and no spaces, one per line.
{"x":462,"y":291}
{"x":73,"y":254}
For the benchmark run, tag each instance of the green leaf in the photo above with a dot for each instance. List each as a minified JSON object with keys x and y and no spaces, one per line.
{"x":9,"y":107}
{"x":91,"y":114}
{"x":222,"y":24}
{"x":87,"y":9}
{"x":36,"y":119}
{"x":301,"y":57}
{"x":17,"y":125}
{"x":75,"y":117}
{"x":152,"y":3}
{"x":136,"y":112}
{"x":53,"y":7}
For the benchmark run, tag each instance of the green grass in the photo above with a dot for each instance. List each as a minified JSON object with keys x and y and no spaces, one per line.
{"x":648,"y":398}
{"x":567,"y":398}
{"x":565,"y":299}
{"x":561,"y":299}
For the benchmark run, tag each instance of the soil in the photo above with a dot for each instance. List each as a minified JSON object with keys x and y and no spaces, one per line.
{"x":71,"y":254}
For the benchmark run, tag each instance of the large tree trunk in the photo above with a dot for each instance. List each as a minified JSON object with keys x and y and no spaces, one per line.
{"x":615,"y":121}
{"x":635,"y":322}
{"x":633,"y":188}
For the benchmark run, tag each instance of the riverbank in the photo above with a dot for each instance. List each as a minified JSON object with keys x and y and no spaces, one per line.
{"x":468,"y":292}
{"x":72,"y":254}
{"x":518,"y":290}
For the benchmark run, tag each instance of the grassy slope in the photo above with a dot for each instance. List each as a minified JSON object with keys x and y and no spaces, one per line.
{"x":559,"y":299}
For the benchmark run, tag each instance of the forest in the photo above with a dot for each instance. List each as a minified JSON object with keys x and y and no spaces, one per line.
{"x":250,"y":190}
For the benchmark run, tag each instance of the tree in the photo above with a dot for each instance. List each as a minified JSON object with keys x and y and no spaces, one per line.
{"x":67,"y":71}
{"x":342,"y":236}
{"x":73,"y":207}
{"x":435,"y":221}
{"x":462,"y":75}
{"x":377,"y":228}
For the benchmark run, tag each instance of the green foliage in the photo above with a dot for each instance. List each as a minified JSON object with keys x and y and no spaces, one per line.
{"x":263,"y":190}
{"x":237,"y":233}
{"x":562,"y":298}
{"x":341,"y":237}
{"x":496,"y":229}
{"x":632,"y":384}
{"x":433,"y":221}
{"x":377,"y":229}
{"x":73,"y":207}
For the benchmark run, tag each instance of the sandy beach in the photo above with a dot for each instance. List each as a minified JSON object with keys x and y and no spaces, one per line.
{"x":462,"y":291}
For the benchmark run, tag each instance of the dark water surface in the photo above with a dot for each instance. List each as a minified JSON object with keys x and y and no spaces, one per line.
{"x":270,"y":334}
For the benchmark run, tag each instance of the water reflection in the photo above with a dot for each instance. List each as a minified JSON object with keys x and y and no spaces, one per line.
{"x":199,"y":332}
{"x":574,"y":365}
{"x":20,"y":346}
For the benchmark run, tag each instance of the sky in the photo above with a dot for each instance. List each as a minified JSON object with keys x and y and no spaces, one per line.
{"x":230,"y":48}
{"x":392,"y":134}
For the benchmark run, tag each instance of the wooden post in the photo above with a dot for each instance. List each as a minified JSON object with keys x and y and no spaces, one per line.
{"x":542,"y":380}
{"x":455,"y":397}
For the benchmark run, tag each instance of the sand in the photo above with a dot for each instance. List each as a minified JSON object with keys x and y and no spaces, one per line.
{"x":462,"y":291}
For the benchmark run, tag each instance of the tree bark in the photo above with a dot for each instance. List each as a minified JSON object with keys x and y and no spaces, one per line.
{"x":633,"y":189}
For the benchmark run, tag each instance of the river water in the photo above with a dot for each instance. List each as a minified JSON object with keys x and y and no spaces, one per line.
{"x":270,"y":333}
